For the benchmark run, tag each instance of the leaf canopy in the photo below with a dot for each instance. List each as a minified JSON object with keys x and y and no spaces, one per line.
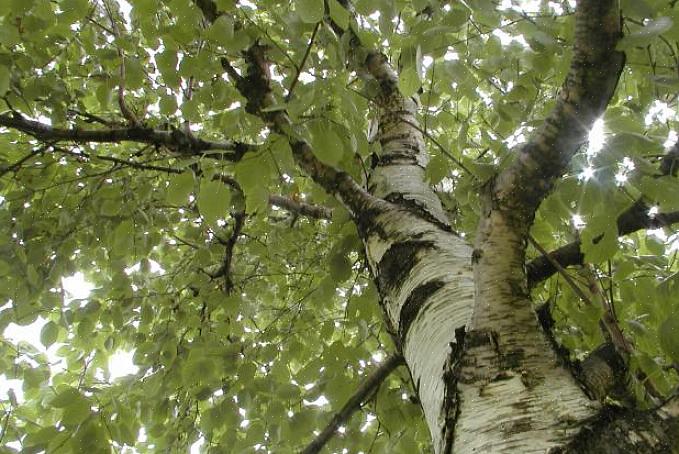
{"x":148,"y":226}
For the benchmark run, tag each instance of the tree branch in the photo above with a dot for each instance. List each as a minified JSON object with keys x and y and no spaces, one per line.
{"x":594,"y":72}
{"x":366,"y":389}
{"x":635,"y":218}
{"x":17,"y":165}
{"x":300,"y":68}
{"x":174,"y":139}
{"x":304,"y":209}
{"x":255,"y":87}
{"x":229,"y":247}
{"x":124,"y":109}
{"x":630,"y":221}
{"x":122,"y":162}
{"x":401,"y":139}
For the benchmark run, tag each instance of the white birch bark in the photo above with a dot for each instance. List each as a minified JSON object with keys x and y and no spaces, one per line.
{"x":422,"y":269}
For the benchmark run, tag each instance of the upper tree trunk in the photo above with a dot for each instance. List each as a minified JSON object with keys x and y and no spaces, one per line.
{"x":510,"y":388}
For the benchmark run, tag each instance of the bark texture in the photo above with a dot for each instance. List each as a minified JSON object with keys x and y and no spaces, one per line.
{"x":422,"y":269}
{"x":511,"y":387}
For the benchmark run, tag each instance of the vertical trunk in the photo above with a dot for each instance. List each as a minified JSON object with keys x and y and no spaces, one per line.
{"x":422,"y":269}
{"x":511,"y":388}
{"x":501,"y":381}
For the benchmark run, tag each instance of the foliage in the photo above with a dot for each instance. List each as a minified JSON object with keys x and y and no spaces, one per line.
{"x":238,"y":367}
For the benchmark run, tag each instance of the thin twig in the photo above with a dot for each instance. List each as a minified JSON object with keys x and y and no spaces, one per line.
{"x":569,"y":280}
{"x":124,"y":109}
{"x":14,"y":167}
{"x":300,"y":68}
{"x":365,"y":389}
{"x":440,"y":147}
{"x":124,"y":162}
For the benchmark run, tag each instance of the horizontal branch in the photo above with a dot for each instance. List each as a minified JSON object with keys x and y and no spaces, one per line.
{"x":173,"y":139}
{"x":302,"y":208}
{"x":633,"y":219}
{"x":365,"y":390}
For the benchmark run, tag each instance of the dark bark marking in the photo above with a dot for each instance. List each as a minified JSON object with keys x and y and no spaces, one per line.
{"x":530,"y":379}
{"x":521,"y":405}
{"x":478,"y":338}
{"x":366,"y":225}
{"x":402,"y":136}
{"x":517,"y":426}
{"x":451,"y":395}
{"x":394,"y":159}
{"x":512,"y":359}
{"x":476,"y":256}
{"x":417,"y":208}
{"x":413,"y":304}
{"x":397,"y":263}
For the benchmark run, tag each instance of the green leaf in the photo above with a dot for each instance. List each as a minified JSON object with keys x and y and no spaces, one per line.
{"x":661,"y":190}
{"x":326,"y":143}
{"x":366,"y":7}
{"x":4,"y":268}
{"x":167,"y":62}
{"x":77,"y":411}
{"x":221,"y":30}
{"x":437,"y":169}
{"x":168,"y":105}
{"x":123,"y":238}
{"x":49,"y":333}
{"x":597,"y":248}
{"x":638,"y":8}
{"x":135,"y":75}
{"x":34,"y":378}
{"x":65,"y":397}
{"x":214,"y":200}
{"x":338,"y":14}
{"x":310,"y":11}
{"x":110,"y":207}
{"x":409,"y":81}
{"x":340,"y":267}
{"x":179,"y":189}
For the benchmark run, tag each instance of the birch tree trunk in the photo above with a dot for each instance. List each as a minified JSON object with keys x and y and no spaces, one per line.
{"x":487,"y":378}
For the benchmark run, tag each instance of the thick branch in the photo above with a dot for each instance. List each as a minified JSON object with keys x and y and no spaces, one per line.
{"x":630,"y":221}
{"x":594,"y":72}
{"x":174,"y":139}
{"x":229,"y":247}
{"x":617,"y":429}
{"x":304,"y":209}
{"x":366,"y":389}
